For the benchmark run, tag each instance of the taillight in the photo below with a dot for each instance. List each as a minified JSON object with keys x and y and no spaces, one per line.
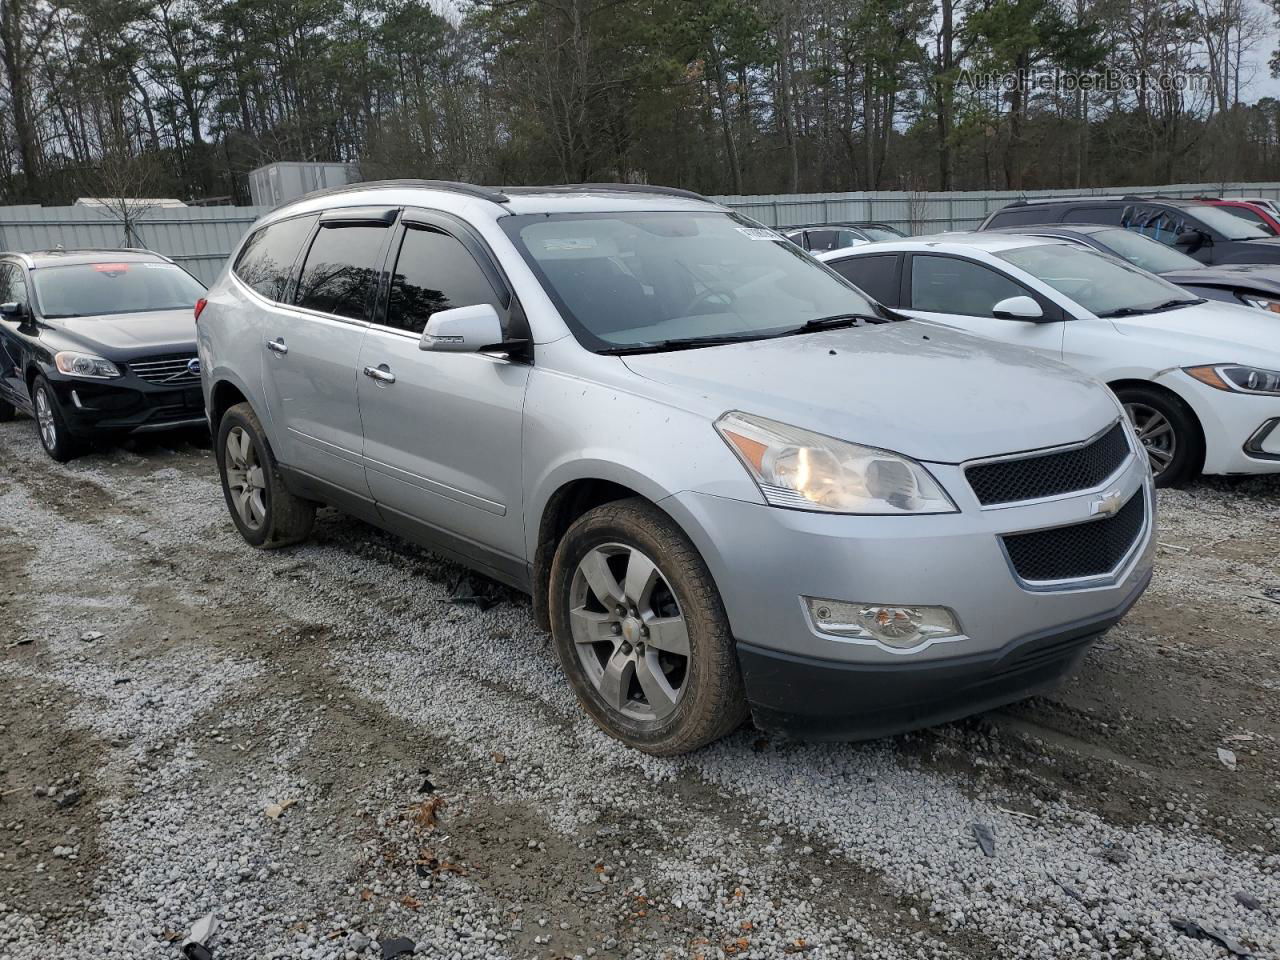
{"x":200,"y":305}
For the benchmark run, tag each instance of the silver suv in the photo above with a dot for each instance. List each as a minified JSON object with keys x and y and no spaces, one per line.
{"x":731,"y":482}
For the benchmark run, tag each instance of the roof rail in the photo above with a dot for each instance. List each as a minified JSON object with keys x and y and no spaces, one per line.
{"x":612,"y":187}
{"x":451,"y":186}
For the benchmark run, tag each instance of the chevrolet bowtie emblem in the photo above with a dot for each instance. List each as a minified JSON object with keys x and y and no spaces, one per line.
{"x":1107,"y":505}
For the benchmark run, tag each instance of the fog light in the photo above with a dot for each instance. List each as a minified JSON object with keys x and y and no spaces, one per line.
{"x":898,"y":627}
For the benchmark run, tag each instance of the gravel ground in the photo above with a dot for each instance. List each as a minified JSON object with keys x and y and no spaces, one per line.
{"x":318,"y":747}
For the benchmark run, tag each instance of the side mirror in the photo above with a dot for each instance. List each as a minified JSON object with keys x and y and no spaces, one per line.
{"x":1192,"y":238}
{"x":13,"y":310}
{"x":462,"y":330}
{"x":1017,"y":308}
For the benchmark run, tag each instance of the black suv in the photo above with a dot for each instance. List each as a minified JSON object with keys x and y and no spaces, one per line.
{"x":95,"y":344}
{"x":1206,"y":232}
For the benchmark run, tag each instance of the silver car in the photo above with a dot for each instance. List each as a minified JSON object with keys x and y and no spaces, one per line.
{"x":732,"y":483}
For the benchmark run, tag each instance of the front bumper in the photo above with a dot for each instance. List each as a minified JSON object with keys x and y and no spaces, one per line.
{"x":1017,"y":636}
{"x":815,"y":699}
{"x":127,"y":405}
{"x":1241,"y":434}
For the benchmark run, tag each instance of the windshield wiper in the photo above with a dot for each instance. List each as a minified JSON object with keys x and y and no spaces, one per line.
{"x":683,"y":343}
{"x":1138,"y":311}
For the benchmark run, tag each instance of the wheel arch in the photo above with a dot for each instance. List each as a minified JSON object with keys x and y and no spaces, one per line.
{"x":571,"y":498}
{"x":1159,"y":388}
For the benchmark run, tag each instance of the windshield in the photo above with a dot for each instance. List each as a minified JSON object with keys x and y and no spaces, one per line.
{"x":1227,"y":224}
{"x":1144,"y":252}
{"x":101,"y":289}
{"x":1099,"y":283}
{"x":644,"y":278}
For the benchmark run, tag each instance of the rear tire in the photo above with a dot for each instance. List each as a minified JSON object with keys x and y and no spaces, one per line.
{"x":641,"y":632}
{"x":1169,"y":432}
{"x":51,"y":425}
{"x":262,"y":508}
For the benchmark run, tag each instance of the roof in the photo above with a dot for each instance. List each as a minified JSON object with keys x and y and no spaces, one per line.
{"x":1086,"y":229}
{"x":988,"y":241}
{"x":838,"y":223}
{"x":1102,"y":197}
{"x":49,"y":258}
{"x":455,"y":196}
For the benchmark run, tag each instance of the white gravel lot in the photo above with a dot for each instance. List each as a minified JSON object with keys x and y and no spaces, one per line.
{"x":335,"y":678}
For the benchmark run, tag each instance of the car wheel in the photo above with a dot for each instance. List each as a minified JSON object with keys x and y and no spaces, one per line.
{"x":641,"y":632}
{"x":262,"y":508}
{"x":1168,"y":431}
{"x":50,"y":423}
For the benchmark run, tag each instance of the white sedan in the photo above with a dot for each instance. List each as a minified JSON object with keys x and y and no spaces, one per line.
{"x":1200,"y":379}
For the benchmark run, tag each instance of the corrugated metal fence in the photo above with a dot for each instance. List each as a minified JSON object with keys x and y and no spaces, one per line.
{"x":921,"y":213}
{"x":200,"y":238}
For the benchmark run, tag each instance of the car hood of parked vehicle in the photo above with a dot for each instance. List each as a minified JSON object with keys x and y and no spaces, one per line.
{"x":1210,"y":332}
{"x":911,"y":387}
{"x":122,"y":336}
{"x":1260,"y":276}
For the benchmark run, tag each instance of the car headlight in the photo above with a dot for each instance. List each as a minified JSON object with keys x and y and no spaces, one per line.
{"x":1263,"y":303}
{"x":85,"y":365}
{"x":803,"y":470}
{"x":1238,"y":378}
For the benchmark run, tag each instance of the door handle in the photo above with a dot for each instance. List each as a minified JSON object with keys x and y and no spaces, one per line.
{"x":381,"y":373}
{"x":277,"y":346}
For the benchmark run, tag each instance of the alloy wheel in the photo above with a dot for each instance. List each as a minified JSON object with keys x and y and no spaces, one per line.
{"x":45,"y":419}
{"x":1156,"y":433}
{"x":245,"y":479}
{"x":629,"y":632}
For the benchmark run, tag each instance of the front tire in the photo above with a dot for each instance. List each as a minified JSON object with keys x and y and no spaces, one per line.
{"x":641,"y":632}
{"x":262,"y":508}
{"x":51,"y":425}
{"x":1168,"y":431}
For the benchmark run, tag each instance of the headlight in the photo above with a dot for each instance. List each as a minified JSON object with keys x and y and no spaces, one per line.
{"x":84,"y":365}
{"x":808,"y":471}
{"x":1237,"y":378}
{"x":1263,"y":303}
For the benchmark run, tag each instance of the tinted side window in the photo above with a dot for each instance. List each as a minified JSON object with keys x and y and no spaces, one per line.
{"x":341,"y":269}
{"x":876,"y":275}
{"x":6,"y":283}
{"x":268,"y":256}
{"x":947,"y":285}
{"x":434,"y":272}
{"x":823,"y":240}
{"x":1110,"y":213}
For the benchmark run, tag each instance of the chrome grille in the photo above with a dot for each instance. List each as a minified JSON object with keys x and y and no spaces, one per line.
{"x":1090,"y":549}
{"x":1050,"y":474}
{"x":170,"y":369}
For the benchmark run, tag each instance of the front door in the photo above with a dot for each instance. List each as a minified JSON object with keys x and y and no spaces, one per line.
{"x":311,"y":348}
{"x":13,"y":289}
{"x":962,"y":294}
{"x":442,"y":431}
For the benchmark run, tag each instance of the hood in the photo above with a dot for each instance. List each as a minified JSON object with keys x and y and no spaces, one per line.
{"x":124,"y":336}
{"x":1210,"y":332}
{"x":911,"y":387}
{"x":1260,"y":276}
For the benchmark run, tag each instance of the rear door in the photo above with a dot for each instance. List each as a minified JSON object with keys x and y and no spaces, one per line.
{"x":877,"y":275}
{"x":442,"y":431}
{"x":963,"y":293}
{"x":310,"y":348}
